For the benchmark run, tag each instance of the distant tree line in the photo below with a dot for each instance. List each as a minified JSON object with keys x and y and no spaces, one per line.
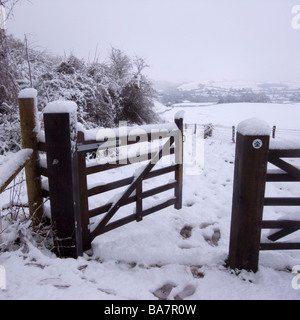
{"x":249,"y":96}
{"x":175,"y":95}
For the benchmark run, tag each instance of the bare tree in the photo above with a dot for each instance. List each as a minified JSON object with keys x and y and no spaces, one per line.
{"x":9,"y":6}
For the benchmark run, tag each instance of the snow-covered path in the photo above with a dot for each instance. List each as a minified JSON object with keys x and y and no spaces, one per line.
{"x":171,"y":254}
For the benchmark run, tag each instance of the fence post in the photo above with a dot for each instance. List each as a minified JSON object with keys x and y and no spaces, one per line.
{"x":179,"y":161}
{"x":252,"y":148}
{"x":274,"y":132}
{"x":60,"y":119}
{"x":29,"y":131}
{"x":233,"y":134}
{"x":84,"y":203}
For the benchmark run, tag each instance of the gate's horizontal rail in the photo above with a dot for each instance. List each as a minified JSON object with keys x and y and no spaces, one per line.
{"x":124,"y":182}
{"x":132,"y":218}
{"x":280,"y":246}
{"x":146,"y":194}
{"x":280,"y":177}
{"x":278,"y":224}
{"x":130,"y":160}
{"x":282,"y":202}
{"x":285,"y":153}
{"x":44,"y":172}
{"x":42,"y":146}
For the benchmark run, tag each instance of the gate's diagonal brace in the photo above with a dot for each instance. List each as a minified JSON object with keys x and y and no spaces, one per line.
{"x":115,"y":207}
{"x":295,"y":173}
{"x":283,"y":233}
{"x":290,"y":169}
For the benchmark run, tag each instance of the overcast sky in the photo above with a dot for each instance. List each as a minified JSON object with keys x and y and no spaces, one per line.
{"x":180,"y":39}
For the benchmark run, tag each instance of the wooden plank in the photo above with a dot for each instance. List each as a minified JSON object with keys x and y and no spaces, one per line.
{"x":152,"y":192}
{"x":285,"y":153}
{"x":42,"y":146}
{"x":83,"y":191}
{"x":179,"y":160}
{"x":280,"y":177}
{"x":103,"y":209}
{"x":124,"y":141}
{"x":124,"y":182}
{"x":139,"y":202}
{"x":282,"y":202}
{"x":8,"y":181}
{"x":29,"y":123}
{"x":161,"y":171}
{"x":94,"y":145}
{"x":62,"y":166}
{"x":132,"y":218}
{"x":110,"y":186}
{"x":105,"y":167}
{"x":100,"y":210}
{"x":280,"y":246}
{"x":44,"y":172}
{"x":290,"y":169}
{"x":283,"y":233}
{"x":159,"y":207}
{"x":278,"y":224}
{"x":132,"y":187}
{"x":117,"y":224}
{"x":248,"y":201}
{"x":45,"y":193}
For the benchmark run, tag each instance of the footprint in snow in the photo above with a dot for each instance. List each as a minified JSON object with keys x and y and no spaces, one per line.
{"x":188,"y":291}
{"x":186,"y":232}
{"x":214,"y":238}
{"x":164,"y":292}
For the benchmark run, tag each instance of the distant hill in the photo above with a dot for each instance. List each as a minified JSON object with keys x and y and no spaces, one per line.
{"x":230,"y":92}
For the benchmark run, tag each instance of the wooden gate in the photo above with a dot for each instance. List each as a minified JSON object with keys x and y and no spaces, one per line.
{"x":67,"y":170}
{"x":253,"y":153}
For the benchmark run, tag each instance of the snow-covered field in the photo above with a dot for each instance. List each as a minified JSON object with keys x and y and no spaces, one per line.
{"x":171,"y":254}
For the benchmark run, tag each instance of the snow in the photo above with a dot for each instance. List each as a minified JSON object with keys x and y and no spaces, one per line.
{"x":31,"y":93}
{"x":61,"y":107}
{"x":28,"y":93}
{"x":285,"y":143}
{"x":254,"y":127}
{"x":70,"y":107}
{"x":184,"y":250}
{"x":11,"y":163}
{"x":179,"y":115}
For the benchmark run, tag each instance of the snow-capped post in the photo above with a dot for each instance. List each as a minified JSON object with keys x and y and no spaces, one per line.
{"x":179,"y":160}
{"x":252,"y":147}
{"x":29,"y":130}
{"x":60,"y":119}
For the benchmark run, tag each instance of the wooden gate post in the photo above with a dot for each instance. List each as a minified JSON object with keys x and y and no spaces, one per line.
{"x":60,"y":120}
{"x":248,"y":194}
{"x":29,"y":131}
{"x":179,"y":161}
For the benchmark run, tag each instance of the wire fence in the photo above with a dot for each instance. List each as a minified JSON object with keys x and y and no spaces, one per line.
{"x":228,"y":133}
